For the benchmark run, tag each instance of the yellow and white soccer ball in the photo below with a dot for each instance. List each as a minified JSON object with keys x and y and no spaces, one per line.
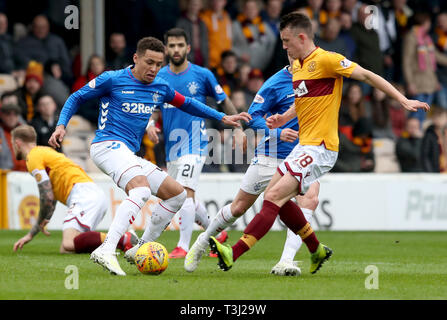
{"x":152,"y":258}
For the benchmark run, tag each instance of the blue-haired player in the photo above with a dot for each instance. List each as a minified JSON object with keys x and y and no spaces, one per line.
{"x":185,"y":135}
{"x":275,"y":96}
{"x":127,"y":100}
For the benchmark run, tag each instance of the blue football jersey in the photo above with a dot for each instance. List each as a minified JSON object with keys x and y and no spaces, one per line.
{"x":126,"y":105}
{"x":185,"y":133}
{"x":275,"y":96}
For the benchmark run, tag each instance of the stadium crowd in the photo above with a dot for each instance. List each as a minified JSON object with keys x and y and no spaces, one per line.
{"x":404,"y":41}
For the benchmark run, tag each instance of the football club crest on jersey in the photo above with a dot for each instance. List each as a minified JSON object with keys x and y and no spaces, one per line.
{"x":193,"y":87}
{"x":155,"y":96}
{"x":312,"y":66}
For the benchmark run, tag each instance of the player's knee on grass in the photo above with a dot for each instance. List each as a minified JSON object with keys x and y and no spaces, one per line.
{"x":67,"y":246}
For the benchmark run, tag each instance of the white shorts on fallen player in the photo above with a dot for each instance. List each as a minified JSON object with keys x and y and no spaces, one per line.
{"x":308,"y":164}
{"x":186,"y":170}
{"x":87,"y":205}
{"x":122,"y":165}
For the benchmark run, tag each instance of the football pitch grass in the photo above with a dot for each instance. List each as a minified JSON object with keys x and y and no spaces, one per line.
{"x":405,"y":265}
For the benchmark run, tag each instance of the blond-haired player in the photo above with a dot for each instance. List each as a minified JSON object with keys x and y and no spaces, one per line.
{"x":60,"y":179}
{"x":317,"y":83}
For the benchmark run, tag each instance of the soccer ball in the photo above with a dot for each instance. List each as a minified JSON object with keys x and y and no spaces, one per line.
{"x":152,"y":258}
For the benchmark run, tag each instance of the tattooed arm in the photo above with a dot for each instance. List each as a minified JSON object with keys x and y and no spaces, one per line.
{"x":47,"y":205}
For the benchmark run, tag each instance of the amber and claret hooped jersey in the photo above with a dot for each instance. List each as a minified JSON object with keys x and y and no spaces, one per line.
{"x":317,"y":84}
{"x":45,"y":163}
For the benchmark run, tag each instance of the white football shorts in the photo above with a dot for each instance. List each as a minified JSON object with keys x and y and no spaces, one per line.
{"x":87,"y":205}
{"x":186,"y":170}
{"x":259,"y":173}
{"x":122,"y":165}
{"x":307,"y":164}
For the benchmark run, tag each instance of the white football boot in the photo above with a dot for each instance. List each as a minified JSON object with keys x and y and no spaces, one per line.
{"x":129,"y":255}
{"x":107,"y":260}
{"x":196,"y":252}
{"x":285,"y":268}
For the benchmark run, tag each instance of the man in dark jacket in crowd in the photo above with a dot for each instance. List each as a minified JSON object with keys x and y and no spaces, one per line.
{"x":408,"y":147}
{"x":433,"y":153}
{"x":45,"y":121}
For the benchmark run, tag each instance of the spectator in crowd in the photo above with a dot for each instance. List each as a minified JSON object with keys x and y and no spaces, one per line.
{"x":352,"y":108}
{"x":355,"y":133}
{"x":89,"y":110}
{"x":420,"y":58}
{"x":219,"y":27}
{"x":53,"y":84}
{"x":352,"y":6}
{"x":19,"y":32}
{"x":238,"y":99}
{"x":95,"y":66}
{"x":118,"y":56}
{"x":28,"y":94}
{"x":380,"y":111}
{"x":316,"y":13}
{"x":271,"y":14}
{"x":408,"y":147}
{"x":9,"y":98}
{"x":362,"y":137}
{"x":9,"y":119}
{"x":253,"y":40}
{"x":41,"y":45}
{"x":196,"y":32}
{"x":45,"y":121}
{"x":356,"y":153}
{"x":402,"y":13}
{"x":440,"y":39}
{"x":394,"y":19}
{"x":345,"y":34}
{"x":244,"y":72}
{"x":7,"y":63}
{"x":254,"y":83}
{"x":368,"y":53}
{"x":333,"y":8}
{"x":227,"y":74}
{"x":329,"y":37}
{"x":278,"y":61}
{"x":433,"y":143}
{"x":5,"y":152}
{"x":398,"y":115}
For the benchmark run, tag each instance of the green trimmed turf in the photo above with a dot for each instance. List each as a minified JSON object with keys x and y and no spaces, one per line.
{"x":412,"y":265}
